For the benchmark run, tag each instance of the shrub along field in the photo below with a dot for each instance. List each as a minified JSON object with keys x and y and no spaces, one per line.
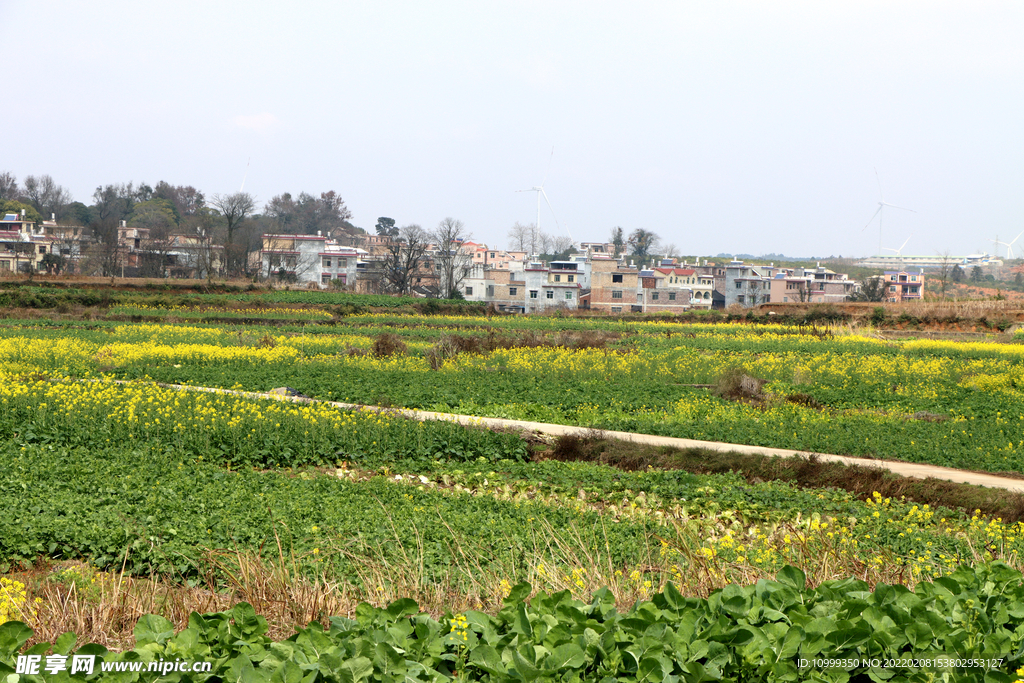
{"x":655,"y":574}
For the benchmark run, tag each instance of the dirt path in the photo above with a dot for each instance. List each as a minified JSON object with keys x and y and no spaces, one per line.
{"x":905,"y":469}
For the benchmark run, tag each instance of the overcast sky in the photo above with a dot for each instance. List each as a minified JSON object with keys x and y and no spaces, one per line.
{"x":722,"y":126}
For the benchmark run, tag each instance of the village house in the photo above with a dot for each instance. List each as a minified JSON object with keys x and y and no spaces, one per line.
{"x":902,"y":286}
{"x":597,"y":248}
{"x":747,"y":284}
{"x":545,"y":289}
{"x":191,"y":256}
{"x":69,"y":242}
{"x":816,"y":285}
{"x":678,"y":288}
{"x":614,"y":288}
{"x":497,"y":286}
{"x":309,"y":259}
{"x":496,"y":258}
{"x":23,"y":245}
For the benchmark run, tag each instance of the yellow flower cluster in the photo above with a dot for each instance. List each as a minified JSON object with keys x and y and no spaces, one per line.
{"x":133,"y":410}
{"x":150,"y":353}
{"x":459,"y":628}
{"x":13,"y":601}
{"x":213,"y":311}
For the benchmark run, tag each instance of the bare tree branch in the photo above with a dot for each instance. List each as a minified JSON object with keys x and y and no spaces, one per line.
{"x":451,"y":264}
{"x":235,"y":208}
{"x":405,"y":256}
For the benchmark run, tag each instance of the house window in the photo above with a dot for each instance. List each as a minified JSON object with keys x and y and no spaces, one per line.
{"x":739,"y":299}
{"x":5,"y":265}
{"x":550,"y":293}
{"x":671,"y":296}
{"x":617,"y":294}
{"x":275,"y":261}
{"x":571,"y":278}
{"x":42,"y":250}
{"x":343,"y":263}
{"x":616,"y":309}
{"x":512,"y":291}
{"x":469,"y":291}
{"x":325,"y":279}
{"x":533,"y":293}
{"x":739,"y":285}
{"x":654,"y":296}
{"x":616,"y":277}
{"x":490,"y":291}
{"x":289,"y":262}
{"x":558,"y":278}
{"x":327,"y":263}
{"x":785,"y":299}
{"x":568,"y":296}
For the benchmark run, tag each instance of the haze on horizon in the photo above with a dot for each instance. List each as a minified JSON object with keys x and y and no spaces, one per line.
{"x":735,"y":127}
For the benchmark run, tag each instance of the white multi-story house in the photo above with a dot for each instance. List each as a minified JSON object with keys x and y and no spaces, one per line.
{"x":545,"y":288}
{"x":747,"y":284}
{"x":310,"y":259}
{"x":529,"y":287}
{"x":23,"y":244}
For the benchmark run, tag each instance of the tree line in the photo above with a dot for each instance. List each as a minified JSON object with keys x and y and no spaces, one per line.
{"x":234,"y":220}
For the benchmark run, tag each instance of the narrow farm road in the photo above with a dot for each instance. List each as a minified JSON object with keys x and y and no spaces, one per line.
{"x":905,"y":469}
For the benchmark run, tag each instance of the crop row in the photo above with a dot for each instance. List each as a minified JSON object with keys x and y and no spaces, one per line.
{"x":199,"y":312}
{"x":231,"y":429}
{"x":925,"y":402}
{"x":141,"y":469}
{"x":965,"y":627}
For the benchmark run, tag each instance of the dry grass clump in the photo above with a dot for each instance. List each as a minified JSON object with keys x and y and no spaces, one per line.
{"x":103,"y":607}
{"x":446,"y":347}
{"x":736,"y":384}
{"x":591,"y":446}
{"x":388,"y":344}
{"x":450,"y":345}
{"x":583,"y":339}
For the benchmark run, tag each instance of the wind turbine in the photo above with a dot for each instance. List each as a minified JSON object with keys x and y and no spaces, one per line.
{"x":1009,"y":246}
{"x":539,"y":189}
{"x":246,"y":174}
{"x":899,"y":252}
{"x":878,"y":212}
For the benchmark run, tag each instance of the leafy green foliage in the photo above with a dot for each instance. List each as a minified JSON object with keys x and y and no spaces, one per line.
{"x":157,"y":509}
{"x":845,"y":395}
{"x":739,"y":633}
{"x":234,"y":430}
